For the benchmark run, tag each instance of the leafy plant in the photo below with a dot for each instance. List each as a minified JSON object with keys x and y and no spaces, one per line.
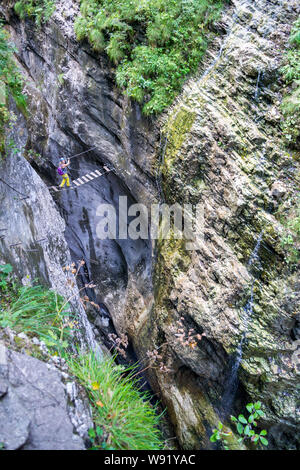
{"x":244,"y":426}
{"x":154,"y":44}
{"x":291,"y":102}
{"x":123,"y":414}
{"x":220,"y":434}
{"x":40,"y":10}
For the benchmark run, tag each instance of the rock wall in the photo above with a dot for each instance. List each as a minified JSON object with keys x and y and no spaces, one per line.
{"x":36,"y":411}
{"x":221,"y":147}
{"x":74,"y":106}
{"x":33,"y":238}
{"x":224,"y":150}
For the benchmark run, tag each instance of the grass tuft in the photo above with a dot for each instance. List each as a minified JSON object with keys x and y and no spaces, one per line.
{"x":124,"y":413}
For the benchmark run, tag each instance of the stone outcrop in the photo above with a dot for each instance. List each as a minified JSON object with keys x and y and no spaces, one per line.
{"x":221,"y":147}
{"x":34,"y":406}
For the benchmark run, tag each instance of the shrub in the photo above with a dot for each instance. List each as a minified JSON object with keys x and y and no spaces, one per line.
{"x":154,"y":44}
{"x":5,"y":270}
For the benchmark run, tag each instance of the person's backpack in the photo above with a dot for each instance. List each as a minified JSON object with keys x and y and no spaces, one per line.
{"x":60,"y":171}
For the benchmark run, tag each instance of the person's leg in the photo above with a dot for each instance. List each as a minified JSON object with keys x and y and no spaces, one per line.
{"x":68,"y":180}
{"x":63,"y":181}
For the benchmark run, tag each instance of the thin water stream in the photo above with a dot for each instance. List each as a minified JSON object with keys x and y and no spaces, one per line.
{"x":231,"y":384}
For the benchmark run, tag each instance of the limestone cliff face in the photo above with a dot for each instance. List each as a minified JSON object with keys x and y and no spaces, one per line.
{"x":223,"y":149}
{"x":220,"y":146}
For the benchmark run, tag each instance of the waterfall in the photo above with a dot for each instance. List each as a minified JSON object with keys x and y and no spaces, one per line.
{"x":259,"y":77}
{"x":231,"y":385}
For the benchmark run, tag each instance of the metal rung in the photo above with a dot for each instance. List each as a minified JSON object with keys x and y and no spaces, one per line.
{"x":75,"y":182}
{"x":85,"y":179}
{"x":89,"y":177}
{"x":94,"y":174}
{"x":98,"y":172}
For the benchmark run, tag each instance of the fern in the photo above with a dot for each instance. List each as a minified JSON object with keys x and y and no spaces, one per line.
{"x":116,"y":48}
{"x":155,"y":44}
{"x":97,"y":39}
{"x":295,"y":35}
{"x":40,"y":10}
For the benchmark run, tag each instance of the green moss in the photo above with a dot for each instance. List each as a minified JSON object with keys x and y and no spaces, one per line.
{"x":176,"y":131}
{"x":177,"y":128}
{"x":172,"y":260}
